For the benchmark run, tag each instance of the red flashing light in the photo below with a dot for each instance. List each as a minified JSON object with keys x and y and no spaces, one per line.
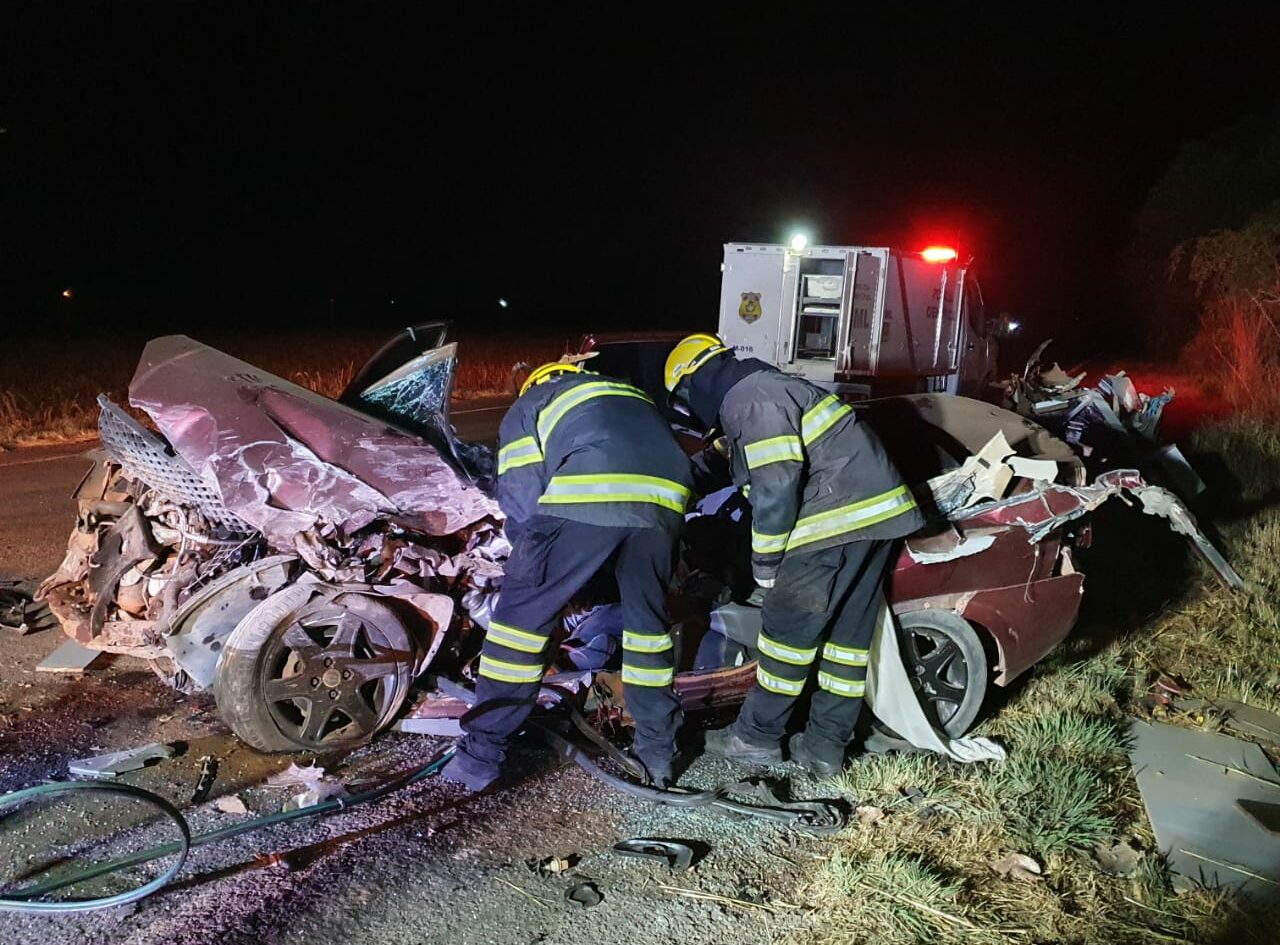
{"x":938,"y":254}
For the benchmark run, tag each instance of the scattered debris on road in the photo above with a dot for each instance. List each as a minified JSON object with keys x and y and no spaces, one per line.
{"x":1017,"y":866}
{"x":868,"y":814}
{"x":231,"y":804}
{"x":1111,"y":424}
{"x":1117,"y":859}
{"x":70,"y":657}
{"x":1191,"y":783}
{"x":204,"y":783}
{"x":118,"y":762}
{"x":677,"y":856}
{"x":446,"y":728}
{"x":13,"y":608}
{"x":585,"y":894}
{"x":1238,"y":718}
{"x":553,"y":865}
{"x":317,"y":784}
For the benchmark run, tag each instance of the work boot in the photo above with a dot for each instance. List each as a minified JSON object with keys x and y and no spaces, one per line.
{"x":725,"y":743}
{"x":659,"y":773}
{"x":820,"y":760}
{"x":474,"y":775}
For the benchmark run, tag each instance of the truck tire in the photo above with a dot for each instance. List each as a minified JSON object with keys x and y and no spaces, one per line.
{"x":310,"y":670}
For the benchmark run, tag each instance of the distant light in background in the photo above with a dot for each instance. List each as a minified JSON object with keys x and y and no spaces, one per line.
{"x":799,"y":242}
{"x":502,"y":303}
{"x":1014,"y":325}
{"x":938,"y":254}
{"x":68,"y":294}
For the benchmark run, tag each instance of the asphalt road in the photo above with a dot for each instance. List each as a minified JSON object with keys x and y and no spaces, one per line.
{"x":36,"y":512}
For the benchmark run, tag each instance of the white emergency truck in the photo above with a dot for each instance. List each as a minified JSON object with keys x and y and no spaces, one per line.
{"x":862,"y":321}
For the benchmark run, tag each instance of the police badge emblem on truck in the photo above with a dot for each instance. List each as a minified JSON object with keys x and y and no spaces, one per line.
{"x":749,"y":307}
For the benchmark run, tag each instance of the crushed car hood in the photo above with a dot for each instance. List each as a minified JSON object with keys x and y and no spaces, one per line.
{"x":287,"y":460}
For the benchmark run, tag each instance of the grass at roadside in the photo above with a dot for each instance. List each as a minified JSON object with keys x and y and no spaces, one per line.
{"x":50,"y":393}
{"x":917,"y":866}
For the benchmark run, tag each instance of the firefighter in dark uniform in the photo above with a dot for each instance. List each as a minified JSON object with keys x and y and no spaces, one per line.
{"x":589,"y":476}
{"x":826,"y":505}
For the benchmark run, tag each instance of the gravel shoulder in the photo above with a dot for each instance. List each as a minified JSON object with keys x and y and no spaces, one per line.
{"x":429,"y":864}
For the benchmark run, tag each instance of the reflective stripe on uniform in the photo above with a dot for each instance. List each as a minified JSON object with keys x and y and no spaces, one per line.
{"x":639,"y":676}
{"x":783,"y":687}
{"x":842,"y":687}
{"x":514,"y":638}
{"x":848,"y":655}
{"x":763,"y":544}
{"x":518,"y":453}
{"x":615,"y":487}
{"x":554,"y":411}
{"x":503,"y":671}
{"x":849,"y":518}
{"x":787,"y":654}
{"x":818,"y":419}
{"x":646,"y":642}
{"x":777,"y":449}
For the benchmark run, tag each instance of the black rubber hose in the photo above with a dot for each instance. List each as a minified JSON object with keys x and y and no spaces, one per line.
{"x":567,"y":749}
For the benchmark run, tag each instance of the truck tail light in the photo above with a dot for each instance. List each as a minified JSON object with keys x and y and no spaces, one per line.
{"x":938,"y":254}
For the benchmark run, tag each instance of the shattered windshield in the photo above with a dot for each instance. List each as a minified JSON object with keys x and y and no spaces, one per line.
{"x":418,"y":391}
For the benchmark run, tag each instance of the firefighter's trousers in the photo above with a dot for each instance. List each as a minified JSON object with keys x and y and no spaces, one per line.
{"x":819,"y":618}
{"x":554,"y":558}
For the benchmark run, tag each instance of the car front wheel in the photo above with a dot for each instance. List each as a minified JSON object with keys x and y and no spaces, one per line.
{"x":308,"y":670}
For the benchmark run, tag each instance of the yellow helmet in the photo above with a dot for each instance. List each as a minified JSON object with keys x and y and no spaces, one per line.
{"x":547,"y":371}
{"x":689,"y":355}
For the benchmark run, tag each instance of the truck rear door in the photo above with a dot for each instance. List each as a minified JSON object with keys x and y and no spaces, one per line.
{"x":866,"y":278}
{"x":918,"y":337}
{"x":757,"y":298}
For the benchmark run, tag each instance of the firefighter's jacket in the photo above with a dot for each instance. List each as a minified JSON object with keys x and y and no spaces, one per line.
{"x":592,"y":449}
{"x":814,"y":474}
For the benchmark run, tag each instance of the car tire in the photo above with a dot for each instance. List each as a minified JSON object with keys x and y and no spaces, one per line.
{"x":944,"y":657}
{"x":311,"y":670}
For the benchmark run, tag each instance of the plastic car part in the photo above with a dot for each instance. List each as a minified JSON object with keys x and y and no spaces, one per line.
{"x":678,"y":856}
{"x":585,"y":895}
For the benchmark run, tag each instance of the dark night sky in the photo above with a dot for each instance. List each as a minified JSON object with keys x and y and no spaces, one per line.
{"x":173,"y":161}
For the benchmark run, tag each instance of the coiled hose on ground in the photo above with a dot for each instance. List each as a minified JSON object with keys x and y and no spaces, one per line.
{"x":816,"y":816}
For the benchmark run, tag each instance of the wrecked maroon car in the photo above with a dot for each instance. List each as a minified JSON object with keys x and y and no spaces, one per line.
{"x":307,"y":559}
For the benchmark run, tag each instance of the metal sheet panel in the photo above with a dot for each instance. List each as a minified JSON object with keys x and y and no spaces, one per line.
{"x":1191,"y":783}
{"x":286,"y":459}
{"x":864,"y":325}
{"x":918,"y":334}
{"x":756,"y":301}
